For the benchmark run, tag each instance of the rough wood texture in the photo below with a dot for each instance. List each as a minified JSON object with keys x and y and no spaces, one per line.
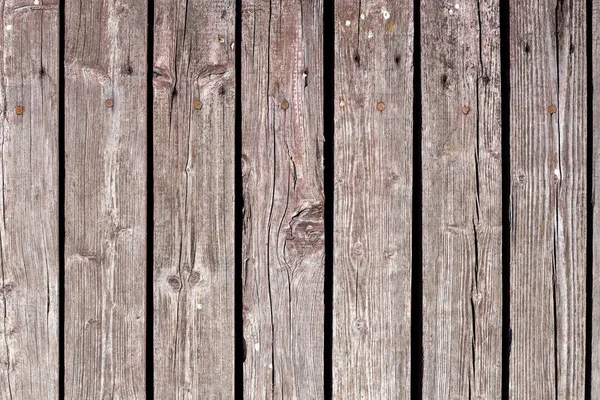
{"x":282,"y":167}
{"x":29,"y":201}
{"x":595,"y":340}
{"x":105,"y":199}
{"x":548,"y":198}
{"x":373,"y":199}
{"x":462,"y":200}
{"x":194,"y":146}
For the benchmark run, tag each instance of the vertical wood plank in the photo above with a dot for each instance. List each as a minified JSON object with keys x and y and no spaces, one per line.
{"x":194,"y":146}
{"x":462,"y":200}
{"x":282,"y":167}
{"x":548,"y":198}
{"x":29,"y":202}
{"x":595,"y":339}
{"x":105,"y":199}
{"x":373,"y":199}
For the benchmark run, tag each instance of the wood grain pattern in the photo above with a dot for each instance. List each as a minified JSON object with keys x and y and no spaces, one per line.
{"x":548,"y":198}
{"x":594,"y":52}
{"x":29,"y":202}
{"x":373,"y":199}
{"x":194,"y":146}
{"x":105,"y":199}
{"x":282,"y":167}
{"x":462,"y":200}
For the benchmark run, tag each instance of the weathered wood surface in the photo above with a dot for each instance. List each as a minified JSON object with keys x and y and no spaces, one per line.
{"x":595,"y":339}
{"x":105,"y":199}
{"x":462,"y":200}
{"x":373,"y":199}
{"x":548,"y":198}
{"x":29,"y":202}
{"x":194,"y":271}
{"x":282,"y":167}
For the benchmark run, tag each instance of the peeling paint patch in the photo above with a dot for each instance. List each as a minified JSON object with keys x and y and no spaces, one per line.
{"x":386,"y":14}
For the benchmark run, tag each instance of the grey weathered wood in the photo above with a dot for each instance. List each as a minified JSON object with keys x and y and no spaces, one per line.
{"x":595,"y":339}
{"x":194,"y":146}
{"x":373,"y":199}
{"x":282,"y":167}
{"x":105,"y":199}
{"x":548,"y":198}
{"x":29,"y":201}
{"x":462,"y":200}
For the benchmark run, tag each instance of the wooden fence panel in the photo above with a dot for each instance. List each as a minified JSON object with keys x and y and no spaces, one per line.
{"x":548,"y":198}
{"x":282,"y":167}
{"x":105,"y":199}
{"x":29,"y":185}
{"x":595,"y":339}
{"x":373,"y":199}
{"x":462,"y":200}
{"x":194,"y":149}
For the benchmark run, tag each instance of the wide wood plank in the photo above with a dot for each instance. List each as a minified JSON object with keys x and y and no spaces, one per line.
{"x":548,"y":198}
{"x":373,"y":199}
{"x":595,"y":339}
{"x":29,"y":202}
{"x":462,"y":200}
{"x":105,"y":199}
{"x":194,"y":146}
{"x":282,"y":167}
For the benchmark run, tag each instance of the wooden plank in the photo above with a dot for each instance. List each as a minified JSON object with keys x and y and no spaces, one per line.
{"x":194,"y":146}
{"x":595,"y":339}
{"x":548,"y":198}
{"x":282,"y":167}
{"x":29,"y":202}
{"x":373,"y":199}
{"x":105,"y":199}
{"x":462,"y":200}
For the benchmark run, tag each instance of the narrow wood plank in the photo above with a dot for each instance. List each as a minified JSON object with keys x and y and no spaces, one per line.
{"x":373,"y":199}
{"x":548,"y":138}
{"x":105,"y":199}
{"x":282,"y":167}
{"x":462,"y":200}
{"x":194,"y":146}
{"x":29,"y":202}
{"x":595,"y":339}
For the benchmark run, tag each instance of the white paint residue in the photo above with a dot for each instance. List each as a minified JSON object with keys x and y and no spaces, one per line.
{"x":342,"y":104}
{"x":270,"y":366}
{"x":9,"y":27}
{"x":386,"y":14}
{"x":362,"y":16}
{"x":347,"y":23}
{"x":232,"y":45}
{"x":557,"y":173}
{"x":257,"y":347}
{"x":451,"y":12}
{"x":370,"y":35}
{"x":457,"y":6}
{"x":199,"y":306}
{"x":36,"y":2}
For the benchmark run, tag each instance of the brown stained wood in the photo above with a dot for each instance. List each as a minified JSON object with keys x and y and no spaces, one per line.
{"x":194,"y":145}
{"x":595,"y":339}
{"x":373,"y":199}
{"x":29,"y":201}
{"x":282,"y":167}
{"x":105,"y":199}
{"x":548,"y":199}
{"x":462,"y":200}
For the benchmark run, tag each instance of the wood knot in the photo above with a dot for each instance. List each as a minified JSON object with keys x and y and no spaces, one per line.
{"x":174,"y":282}
{"x":305,"y":235}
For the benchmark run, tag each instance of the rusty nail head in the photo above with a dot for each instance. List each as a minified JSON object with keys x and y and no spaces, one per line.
{"x":466,"y":109}
{"x":285,"y":105}
{"x":380,"y":106}
{"x":19,"y":110}
{"x":197,"y":104}
{"x":552,"y":109}
{"x":109,"y":103}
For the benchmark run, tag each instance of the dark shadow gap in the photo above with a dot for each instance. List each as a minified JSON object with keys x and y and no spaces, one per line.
{"x":417,"y":218}
{"x":61,"y":202}
{"x":240,"y":354}
{"x":328,"y":181}
{"x":150,"y":208}
{"x":506,"y":183}
{"x":590,"y":205}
